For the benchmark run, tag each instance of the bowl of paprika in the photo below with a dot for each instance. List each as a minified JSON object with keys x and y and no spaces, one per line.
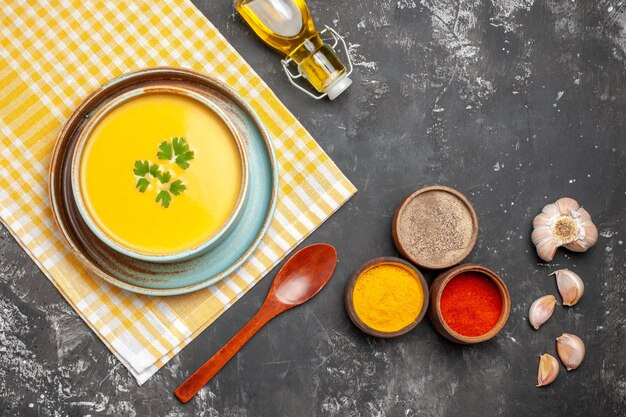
{"x":469,"y":304}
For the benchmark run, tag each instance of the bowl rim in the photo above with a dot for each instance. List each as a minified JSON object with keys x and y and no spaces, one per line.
{"x":80,"y":199}
{"x":400,"y":210}
{"x":349,"y":302}
{"x":444,"y":278}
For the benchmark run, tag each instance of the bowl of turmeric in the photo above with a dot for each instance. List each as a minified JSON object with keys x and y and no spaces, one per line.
{"x":386,"y":297}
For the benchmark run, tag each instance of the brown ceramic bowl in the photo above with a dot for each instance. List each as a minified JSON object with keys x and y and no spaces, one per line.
{"x":438,"y":208}
{"x":436,"y":289}
{"x":350,"y":304}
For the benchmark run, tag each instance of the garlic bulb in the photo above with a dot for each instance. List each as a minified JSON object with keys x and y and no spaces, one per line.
{"x":571,"y":350}
{"x":571,"y":286}
{"x":563,"y":223}
{"x":548,"y":370}
{"x":541,"y":310}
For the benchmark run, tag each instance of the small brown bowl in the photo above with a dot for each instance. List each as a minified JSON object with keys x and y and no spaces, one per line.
{"x":350,"y":303}
{"x":436,"y":289}
{"x":437,"y":212}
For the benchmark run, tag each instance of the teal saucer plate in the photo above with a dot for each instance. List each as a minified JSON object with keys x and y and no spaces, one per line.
{"x":184,"y":276}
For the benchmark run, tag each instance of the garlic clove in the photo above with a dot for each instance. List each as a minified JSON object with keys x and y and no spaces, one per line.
{"x":550,"y":210}
{"x":566,"y":205}
{"x":563,"y":223}
{"x":544,"y":241}
{"x":548,"y":370}
{"x":571,"y":286}
{"x":541,"y":310}
{"x":546,"y":249}
{"x":571,"y":350}
{"x":588,"y":235}
{"x":541,"y":233}
{"x":583,"y":215}
{"x":540,"y":220}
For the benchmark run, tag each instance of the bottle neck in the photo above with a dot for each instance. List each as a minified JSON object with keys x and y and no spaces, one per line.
{"x":318,"y":63}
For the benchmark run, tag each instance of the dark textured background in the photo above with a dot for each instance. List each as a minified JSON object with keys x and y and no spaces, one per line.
{"x":515,"y":103}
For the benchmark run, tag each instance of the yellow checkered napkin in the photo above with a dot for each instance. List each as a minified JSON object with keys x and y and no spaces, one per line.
{"x":51,"y":55}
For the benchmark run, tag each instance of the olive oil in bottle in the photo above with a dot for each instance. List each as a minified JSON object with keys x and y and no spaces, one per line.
{"x":287,"y":26}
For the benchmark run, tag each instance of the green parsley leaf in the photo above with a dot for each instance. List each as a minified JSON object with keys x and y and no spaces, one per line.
{"x":141,"y":168}
{"x":180,"y":145}
{"x":154,"y":170}
{"x":181,"y":160}
{"x":165,"y":198}
{"x":177,"y":149}
{"x":182,"y":152}
{"x":177,"y":187}
{"x":142,"y":184}
{"x":164,"y":177}
{"x":165,"y":151}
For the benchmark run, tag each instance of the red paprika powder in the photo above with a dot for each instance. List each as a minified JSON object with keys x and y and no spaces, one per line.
{"x":471,"y":304}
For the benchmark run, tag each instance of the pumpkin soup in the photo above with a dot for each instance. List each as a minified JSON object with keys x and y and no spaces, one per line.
{"x":160,"y":174}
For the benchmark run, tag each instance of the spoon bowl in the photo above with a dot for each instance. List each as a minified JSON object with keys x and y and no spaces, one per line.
{"x":300,"y":278}
{"x":304,"y":275}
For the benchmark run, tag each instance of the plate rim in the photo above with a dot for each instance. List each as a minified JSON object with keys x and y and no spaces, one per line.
{"x":60,"y":149}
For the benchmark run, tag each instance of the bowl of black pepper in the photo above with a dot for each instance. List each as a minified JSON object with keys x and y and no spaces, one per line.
{"x":435,"y":227}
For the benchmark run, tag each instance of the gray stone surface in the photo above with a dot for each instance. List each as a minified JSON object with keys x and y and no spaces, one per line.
{"x":515,"y":103}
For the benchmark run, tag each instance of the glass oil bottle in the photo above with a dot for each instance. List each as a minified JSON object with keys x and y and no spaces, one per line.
{"x":287,"y":26}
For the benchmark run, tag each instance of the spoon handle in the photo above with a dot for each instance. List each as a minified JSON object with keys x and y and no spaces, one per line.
{"x":195,"y":382}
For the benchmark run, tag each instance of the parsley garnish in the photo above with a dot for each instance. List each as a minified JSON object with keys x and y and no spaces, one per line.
{"x":164,"y":197}
{"x":182,"y":160}
{"x":142,"y":184}
{"x":178,"y":150}
{"x":177,"y":187}
{"x":182,"y":152}
{"x":164,"y":177}
{"x":154,"y":170}
{"x":141,"y":168}
{"x":180,"y":145}
{"x":165,"y":151}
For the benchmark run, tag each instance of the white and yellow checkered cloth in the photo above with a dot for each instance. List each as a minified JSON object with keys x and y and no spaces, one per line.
{"x":51,"y":55}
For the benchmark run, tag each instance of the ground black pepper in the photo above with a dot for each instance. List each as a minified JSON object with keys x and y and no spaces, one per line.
{"x":436,"y":228}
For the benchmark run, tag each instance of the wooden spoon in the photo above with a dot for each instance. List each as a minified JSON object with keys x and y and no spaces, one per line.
{"x":300,"y":278}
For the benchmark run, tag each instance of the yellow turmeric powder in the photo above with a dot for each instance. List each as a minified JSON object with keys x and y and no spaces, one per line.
{"x":388,"y":297}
